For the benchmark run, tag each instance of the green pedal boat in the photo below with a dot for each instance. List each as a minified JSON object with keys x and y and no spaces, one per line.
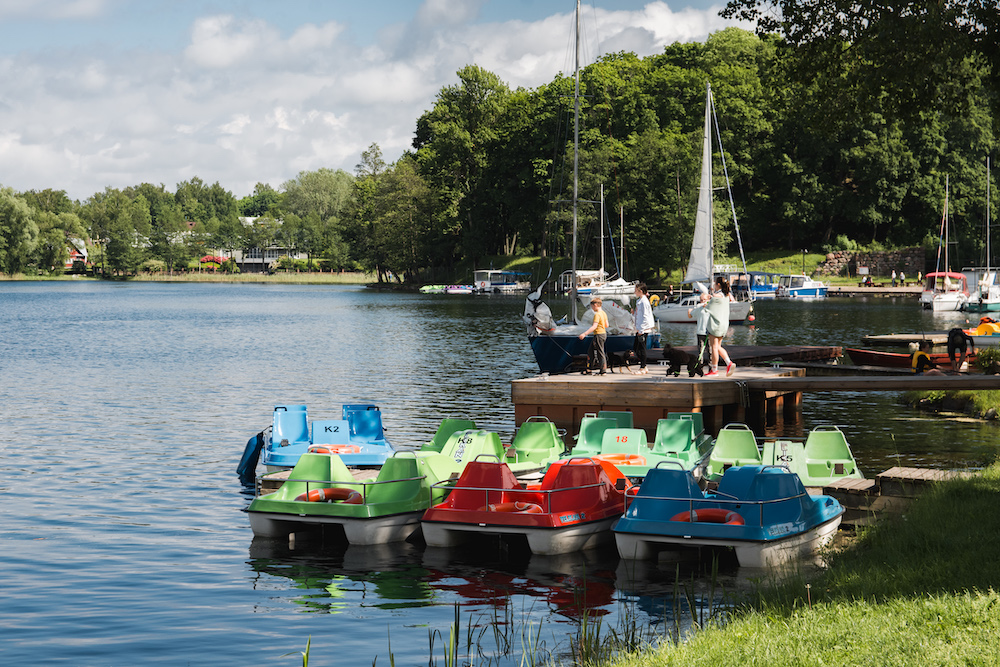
{"x":322,"y":491}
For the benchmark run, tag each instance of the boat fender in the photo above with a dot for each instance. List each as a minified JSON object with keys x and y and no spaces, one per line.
{"x":338,"y":494}
{"x":516,"y":508}
{"x":334,"y":449}
{"x":654,"y":300}
{"x":711,"y":515}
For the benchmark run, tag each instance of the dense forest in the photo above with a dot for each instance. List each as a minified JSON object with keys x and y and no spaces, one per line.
{"x":830,"y":143}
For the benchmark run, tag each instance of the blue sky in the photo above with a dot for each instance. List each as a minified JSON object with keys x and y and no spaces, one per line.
{"x":97,"y":93}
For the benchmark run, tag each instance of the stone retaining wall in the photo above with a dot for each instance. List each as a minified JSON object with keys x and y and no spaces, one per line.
{"x":880,"y":264}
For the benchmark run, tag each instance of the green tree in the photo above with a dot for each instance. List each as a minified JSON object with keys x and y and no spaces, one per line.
{"x":18,"y":232}
{"x":121,"y":226}
{"x":55,"y":231}
{"x":264,"y":199}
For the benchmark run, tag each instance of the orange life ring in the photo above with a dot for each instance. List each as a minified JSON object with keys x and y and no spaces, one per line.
{"x":516,"y":508}
{"x":339,"y":494}
{"x":710,"y":515}
{"x":623,"y":459}
{"x":334,"y":449}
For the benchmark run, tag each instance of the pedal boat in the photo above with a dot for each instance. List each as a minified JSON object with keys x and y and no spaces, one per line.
{"x":822,"y":459}
{"x":357,"y":437}
{"x":762,"y":512}
{"x":322,"y":490}
{"x":573,"y":508}
{"x":680,"y":439}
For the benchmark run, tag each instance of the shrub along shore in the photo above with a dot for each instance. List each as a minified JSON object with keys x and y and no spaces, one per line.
{"x":919,"y":589}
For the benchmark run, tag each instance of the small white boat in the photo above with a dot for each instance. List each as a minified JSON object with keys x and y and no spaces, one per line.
{"x":794,"y":286}
{"x":944,"y":291}
{"x":676,"y":312}
{"x":458,"y":289}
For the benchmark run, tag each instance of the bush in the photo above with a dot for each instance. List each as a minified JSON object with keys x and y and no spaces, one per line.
{"x":988,"y":360}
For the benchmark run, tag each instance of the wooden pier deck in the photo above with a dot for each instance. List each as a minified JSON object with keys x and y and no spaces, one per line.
{"x":755,"y":395}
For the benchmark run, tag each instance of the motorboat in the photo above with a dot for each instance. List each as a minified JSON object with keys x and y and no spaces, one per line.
{"x":490,"y":281}
{"x":322,"y":491}
{"x":459,"y":289}
{"x":944,"y":291}
{"x":763,"y":513}
{"x":432,"y":289}
{"x":799,"y":286}
{"x":572,"y":508}
{"x":822,"y":459}
{"x":357,"y":437}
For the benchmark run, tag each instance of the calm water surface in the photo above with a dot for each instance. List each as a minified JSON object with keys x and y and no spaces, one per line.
{"x":125,"y":409}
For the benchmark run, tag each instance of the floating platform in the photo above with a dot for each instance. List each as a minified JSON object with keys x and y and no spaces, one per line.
{"x":904,"y":339}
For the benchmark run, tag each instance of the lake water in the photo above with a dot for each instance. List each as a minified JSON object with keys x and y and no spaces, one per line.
{"x":125,"y":409}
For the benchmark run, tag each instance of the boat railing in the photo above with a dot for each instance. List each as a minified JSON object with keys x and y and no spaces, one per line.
{"x":364,"y":485}
{"x":493,"y":494}
{"x":729,"y":502}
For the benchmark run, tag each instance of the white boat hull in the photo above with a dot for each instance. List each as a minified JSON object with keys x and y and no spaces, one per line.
{"x":943,"y":302}
{"x":379,"y":530}
{"x":677,"y":313}
{"x":639,"y":546}
{"x":542,"y":541}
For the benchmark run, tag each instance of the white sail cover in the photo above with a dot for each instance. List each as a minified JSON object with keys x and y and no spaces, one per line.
{"x":700,"y":263}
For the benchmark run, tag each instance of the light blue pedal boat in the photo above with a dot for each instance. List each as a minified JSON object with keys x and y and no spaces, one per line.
{"x":358,"y":438}
{"x":762,"y":512}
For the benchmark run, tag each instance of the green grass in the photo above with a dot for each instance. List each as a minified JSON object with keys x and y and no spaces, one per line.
{"x":914,"y":590}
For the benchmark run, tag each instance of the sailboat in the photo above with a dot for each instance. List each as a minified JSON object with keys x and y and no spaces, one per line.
{"x":947,"y":289}
{"x":986,"y":298}
{"x":555,"y":344}
{"x":701,"y":269}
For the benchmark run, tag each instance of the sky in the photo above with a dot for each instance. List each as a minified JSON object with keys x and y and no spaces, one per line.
{"x":112,"y":93}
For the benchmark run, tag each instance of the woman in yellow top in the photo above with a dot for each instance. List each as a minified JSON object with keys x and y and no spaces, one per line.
{"x":600,"y":330}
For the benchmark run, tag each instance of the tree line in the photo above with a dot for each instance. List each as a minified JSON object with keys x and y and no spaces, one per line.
{"x":818,"y":156}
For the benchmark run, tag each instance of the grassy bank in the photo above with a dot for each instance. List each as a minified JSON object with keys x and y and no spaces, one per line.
{"x":914,"y":590}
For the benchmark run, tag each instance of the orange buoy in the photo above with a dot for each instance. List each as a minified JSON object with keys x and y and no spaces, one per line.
{"x":334,"y":449}
{"x":516,"y":508}
{"x":334,"y":494}
{"x":710,"y":515}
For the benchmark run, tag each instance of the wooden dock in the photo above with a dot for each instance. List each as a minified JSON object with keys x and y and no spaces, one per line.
{"x":904,"y":339}
{"x":565,"y":398}
{"x":755,"y":395}
{"x":891,"y":492}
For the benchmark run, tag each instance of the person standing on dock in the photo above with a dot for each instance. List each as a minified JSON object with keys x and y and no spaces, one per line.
{"x":600,"y":330}
{"x":644,"y":324}
{"x":718,"y":325}
{"x":958,"y":341}
{"x":894,"y":277}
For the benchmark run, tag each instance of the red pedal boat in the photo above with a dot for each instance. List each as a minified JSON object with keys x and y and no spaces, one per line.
{"x":573,"y":507}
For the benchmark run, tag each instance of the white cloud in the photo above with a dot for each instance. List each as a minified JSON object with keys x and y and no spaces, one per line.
{"x":244,"y":101}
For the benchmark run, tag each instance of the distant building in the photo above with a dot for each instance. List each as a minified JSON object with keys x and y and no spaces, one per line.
{"x":256,"y":261}
{"x":77,"y":253}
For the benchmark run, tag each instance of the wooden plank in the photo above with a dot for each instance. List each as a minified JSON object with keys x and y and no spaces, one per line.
{"x":904,"y":339}
{"x":876,"y":383}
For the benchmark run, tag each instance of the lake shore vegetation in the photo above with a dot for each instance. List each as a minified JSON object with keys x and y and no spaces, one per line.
{"x":488,"y":175}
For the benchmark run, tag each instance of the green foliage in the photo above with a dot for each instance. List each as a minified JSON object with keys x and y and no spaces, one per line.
{"x":18,"y":232}
{"x":988,"y":359}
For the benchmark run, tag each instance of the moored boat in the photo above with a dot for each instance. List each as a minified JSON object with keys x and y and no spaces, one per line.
{"x":322,"y":491}
{"x":357,"y":437}
{"x":800,"y":286}
{"x":762,"y":512}
{"x":894,"y":359}
{"x":824,"y":456}
{"x":944,"y":290}
{"x":573,"y":507}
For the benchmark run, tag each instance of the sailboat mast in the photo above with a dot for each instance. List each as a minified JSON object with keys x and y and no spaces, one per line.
{"x":987,"y":214}
{"x":601,"y":277}
{"x":947,"y":264}
{"x":576,"y":153}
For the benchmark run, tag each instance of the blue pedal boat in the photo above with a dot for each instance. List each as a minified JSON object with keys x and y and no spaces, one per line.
{"x":762,"y":512}
{"x":358,"y":438}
